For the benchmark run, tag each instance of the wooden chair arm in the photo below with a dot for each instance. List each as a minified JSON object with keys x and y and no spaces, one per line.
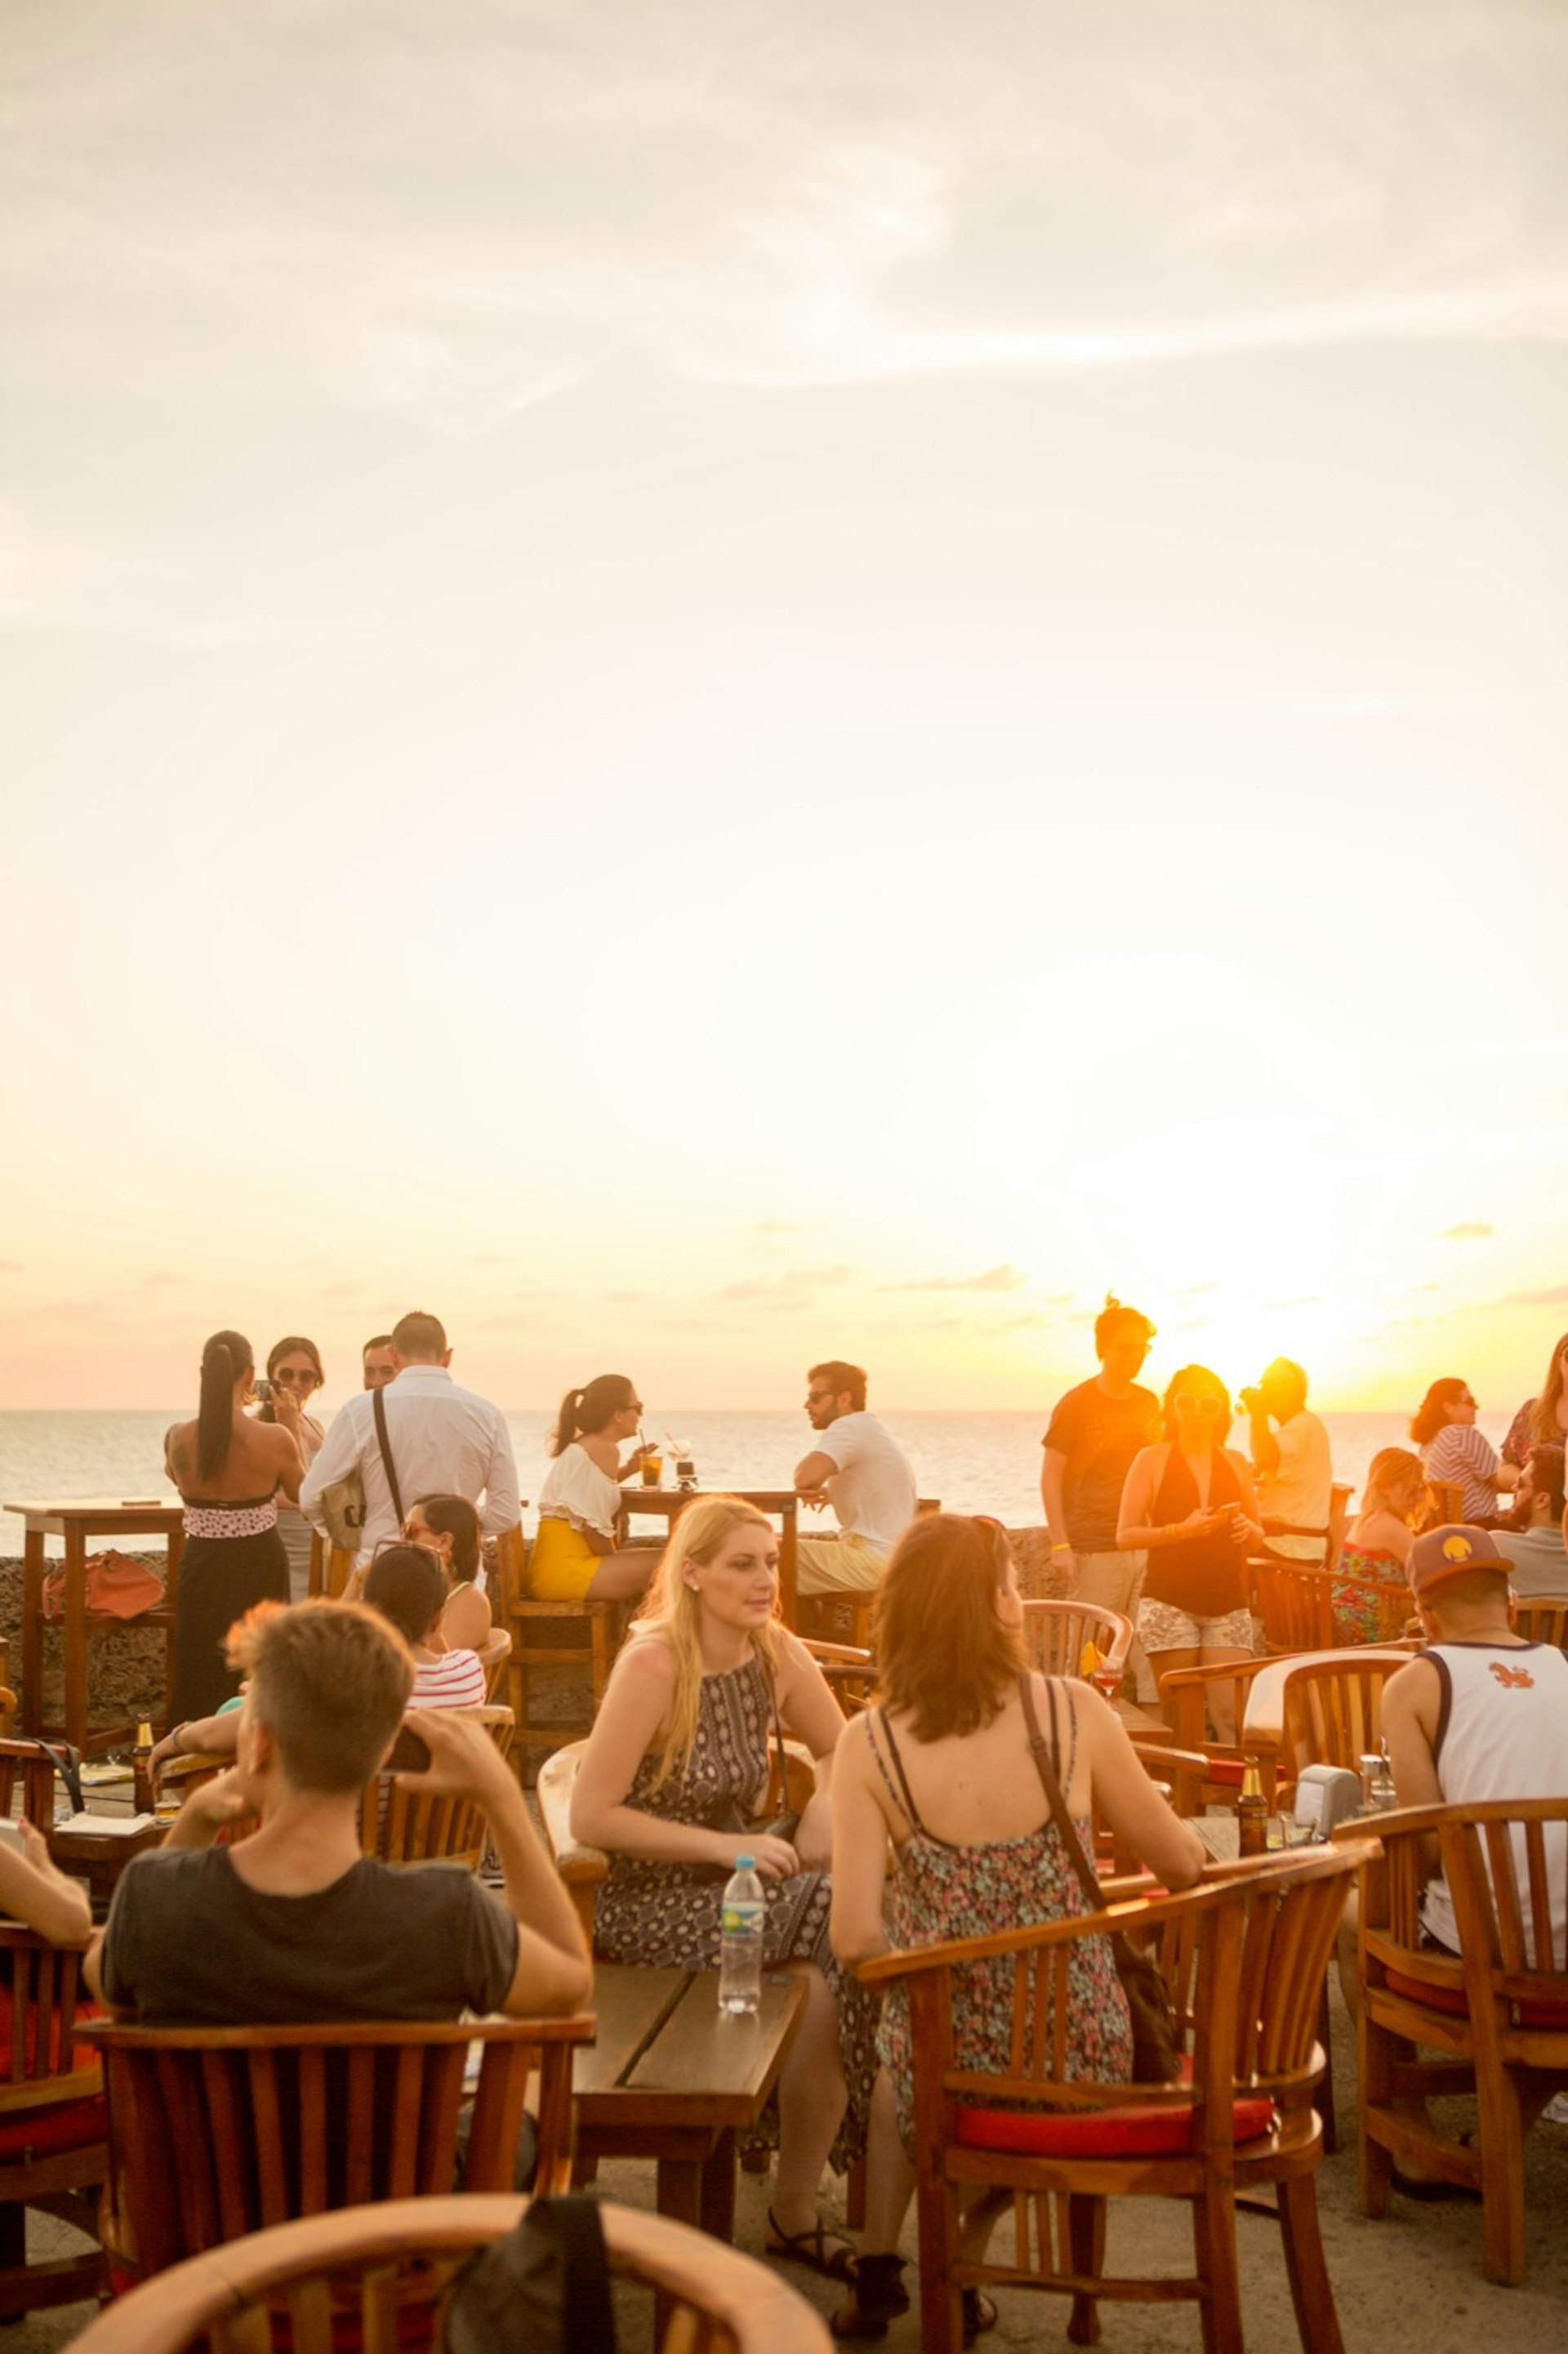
{"x":50,"y":2092}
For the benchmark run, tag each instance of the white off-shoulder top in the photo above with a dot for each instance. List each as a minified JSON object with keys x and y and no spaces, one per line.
{"x":576,"y":1489}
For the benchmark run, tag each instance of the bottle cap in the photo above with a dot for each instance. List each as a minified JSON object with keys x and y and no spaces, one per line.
{"x":745,"y":1863}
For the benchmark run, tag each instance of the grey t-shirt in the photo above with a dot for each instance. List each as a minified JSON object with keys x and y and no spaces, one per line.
{"x":189,"y":1944}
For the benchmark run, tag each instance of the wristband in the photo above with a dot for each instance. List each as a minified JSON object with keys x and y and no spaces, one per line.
{"x":1062,"y":1548}
{"x":175,"y":1736}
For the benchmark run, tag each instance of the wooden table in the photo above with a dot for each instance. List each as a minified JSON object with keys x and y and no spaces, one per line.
{"x":74,"y":1521}
{"x":669,"y":2079}
{"x":669,"y":1504}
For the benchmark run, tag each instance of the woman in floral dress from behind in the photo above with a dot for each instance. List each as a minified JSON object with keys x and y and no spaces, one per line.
{"x":676,"y":1762}
{"x":943,"y":1768}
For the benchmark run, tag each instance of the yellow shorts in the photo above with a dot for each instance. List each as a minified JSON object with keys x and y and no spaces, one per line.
{"x":562,"y":1563}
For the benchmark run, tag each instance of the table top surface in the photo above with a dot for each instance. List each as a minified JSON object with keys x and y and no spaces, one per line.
{"x":672,"y":1500}
{"x":665,"y":2053}
{"x":95,"y":1507}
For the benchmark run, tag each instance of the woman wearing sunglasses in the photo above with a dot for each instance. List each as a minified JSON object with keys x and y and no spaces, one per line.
{"x":1189,"y":1504}
{"x":1455,"y":1452}
{"x":295,"y":1371}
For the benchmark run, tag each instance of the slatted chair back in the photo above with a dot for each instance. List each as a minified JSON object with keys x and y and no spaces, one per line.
{"x":1444,"y":1503}
{"x":849,"y":1671}
{"x":1333,"y":1711}
{"x":1058,"y":1635}
{"x":1544,"y":1619}
{"x":375,"y":2278}
{"x":593,"y":1633}
{"x":1295,"y":1603}
{"x":492,"y":1656}
{"x":216,"y":2132}
{"x":409,"y":1826}
{"x":53,"y":2136}
{"x":9,"y":1703}
{"x":1186,"y":1695}
{"x":26,"y":1779}
{"x":1247,"y":1950}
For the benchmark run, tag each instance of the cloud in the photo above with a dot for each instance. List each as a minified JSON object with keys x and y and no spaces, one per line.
{"x":162,"y":1281}
{"x":1469,"y":1230}
{"x":346,"y":1288}
{"x":1005,"y":1277}
{"x":1022,"y":1323}
{"x":624,"y":1298}
{"x":773,"y":1229}
{"x":1555,"y":1296}
{"x":10,"y":1266}
{"x":794,"y":1283}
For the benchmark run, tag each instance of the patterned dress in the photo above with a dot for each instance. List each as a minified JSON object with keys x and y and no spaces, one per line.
{"x":666,"y":1915}
{"x":941,"y":1891}
{"x":1360,"y":1596}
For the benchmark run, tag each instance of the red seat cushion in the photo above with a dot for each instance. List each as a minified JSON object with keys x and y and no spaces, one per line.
{"x":1102,"y":2133}
{"x":1230,"y":1770}
{"x":1454,"y":2000}
{"x":80,"y":2055}
{"x":49,"y":2133}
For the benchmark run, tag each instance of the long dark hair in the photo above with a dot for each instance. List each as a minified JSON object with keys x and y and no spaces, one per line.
{"x":225,"y":1356}
{"x":1430,"y":1417}
{"x":454,"y":1517}
{"x":589,"y":1410}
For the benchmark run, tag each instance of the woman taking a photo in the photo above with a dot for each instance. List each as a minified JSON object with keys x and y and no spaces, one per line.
{"x":296,"y":1372}
{"x":228,"y":1469}
{"x":1455,"y":1451}
{"x":676,"y":1765}
{"x":942,"y":1767}
{"x":574,"y":1557}
{"x":1188,"y":1504}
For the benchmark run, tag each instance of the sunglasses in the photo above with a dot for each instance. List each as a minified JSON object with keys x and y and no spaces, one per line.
{"x":305,"y":1381}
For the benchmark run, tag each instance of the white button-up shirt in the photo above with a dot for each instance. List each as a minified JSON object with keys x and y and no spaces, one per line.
{"x":444,"y":1441}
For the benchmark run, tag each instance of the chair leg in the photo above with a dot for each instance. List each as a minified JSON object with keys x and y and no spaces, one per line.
{"x":1501,"y":2136}
{"x":941,"y":2313}
{"x":1375,"y":2053}
{"x":1323,"y":2097}
{"x":1214,"y":2236}
{"x":1311,"y":2291}
{"x":1086,"y":2242}
{"x":13,"y":2254}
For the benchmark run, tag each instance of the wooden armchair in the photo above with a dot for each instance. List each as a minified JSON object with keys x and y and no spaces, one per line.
{"x":1186,"y":1694}
{"x":216,"y":2131}
{"x":53,"y":2133}
{"x":1248,"y":1951}
{"x":1057,"y":1633}
{"x":1294,"y":1604}
{"x":492,"y":1655}
{"x":390,"y":2265}
{"x":849,"y":1671}
{"x":1496,"y":2014}
{"x":1544,"y":1619}
{"x":1333,"y":1712}
{"x":594,"y":1632}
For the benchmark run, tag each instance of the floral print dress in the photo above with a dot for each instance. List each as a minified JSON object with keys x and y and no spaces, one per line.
{"x":666,"y":1915}
{"x":941,"y":1891}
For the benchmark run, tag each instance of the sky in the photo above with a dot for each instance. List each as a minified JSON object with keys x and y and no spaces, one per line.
{"x":710,"y":684}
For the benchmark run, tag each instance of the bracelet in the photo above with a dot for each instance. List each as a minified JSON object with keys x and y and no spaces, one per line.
{"x":1055,"y":1548}
{"x":174,"y":1734}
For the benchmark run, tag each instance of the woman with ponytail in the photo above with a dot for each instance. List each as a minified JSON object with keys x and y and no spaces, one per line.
{"x":233,"y":1555}
{"x":575,"y":1557}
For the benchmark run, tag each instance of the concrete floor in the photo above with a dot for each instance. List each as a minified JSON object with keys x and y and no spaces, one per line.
{"x":1417,"y":2272}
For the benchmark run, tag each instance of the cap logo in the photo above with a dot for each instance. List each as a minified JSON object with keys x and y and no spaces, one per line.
{"x":1458,"y":1548}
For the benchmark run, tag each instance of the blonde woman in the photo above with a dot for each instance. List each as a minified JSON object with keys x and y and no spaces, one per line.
{"x":677,"y":1760}
{"x":1378,"y":1545}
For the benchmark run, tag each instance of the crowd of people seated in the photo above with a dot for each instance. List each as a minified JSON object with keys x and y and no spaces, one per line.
{"x":933,"y":1817}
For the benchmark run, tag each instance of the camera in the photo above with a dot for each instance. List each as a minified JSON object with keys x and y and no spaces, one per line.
{"x":263,"y":1389}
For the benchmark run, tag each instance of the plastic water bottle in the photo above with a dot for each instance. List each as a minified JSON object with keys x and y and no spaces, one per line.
{"x":741,"y":1918}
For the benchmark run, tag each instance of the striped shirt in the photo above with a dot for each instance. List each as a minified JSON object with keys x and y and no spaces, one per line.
{"x":1460,"y":1454}
{"x":455,"y":1679}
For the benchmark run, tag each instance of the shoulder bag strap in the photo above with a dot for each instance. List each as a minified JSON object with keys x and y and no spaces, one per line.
{"x":1058,"y":1804}
{"x":589,"y":2317}
{"x":378,"y":1408}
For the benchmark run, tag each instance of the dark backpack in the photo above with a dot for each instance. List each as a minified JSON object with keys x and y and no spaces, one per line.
{"x":543,"y":2289}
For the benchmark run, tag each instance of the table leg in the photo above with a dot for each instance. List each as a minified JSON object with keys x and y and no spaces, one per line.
{"x":718,"y":2188}
{"x":680,"y":2189}
{"x":76,"y":1637}
{"x":33,"y":1633}
{"x":788,"y":1572}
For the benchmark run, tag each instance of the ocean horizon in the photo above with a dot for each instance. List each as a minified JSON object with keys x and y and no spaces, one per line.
{"x":974,"y":1459}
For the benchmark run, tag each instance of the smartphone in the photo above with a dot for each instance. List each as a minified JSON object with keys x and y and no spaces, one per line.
{"x":263,"y":1389}
{"x":409,"y":1753}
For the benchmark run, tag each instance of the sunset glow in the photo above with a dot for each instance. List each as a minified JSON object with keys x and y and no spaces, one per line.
{"x":705,"y":686}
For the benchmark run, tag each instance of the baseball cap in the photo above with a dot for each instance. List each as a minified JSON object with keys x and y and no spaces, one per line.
{"x":1450,"y":1552}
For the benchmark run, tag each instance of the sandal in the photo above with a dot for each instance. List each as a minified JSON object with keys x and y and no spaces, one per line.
{"x":980,"y":2313}
{"x":878,"y":2297}
{"x":811,"y":2248}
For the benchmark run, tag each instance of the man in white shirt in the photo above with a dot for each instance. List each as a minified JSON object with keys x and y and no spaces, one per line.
{"x":858,"y":1468}
{"x":443,"y":1441}
{"x":1290,"y":1458}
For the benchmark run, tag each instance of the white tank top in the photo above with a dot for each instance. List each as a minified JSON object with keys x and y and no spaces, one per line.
{"x":1502,"y":1733}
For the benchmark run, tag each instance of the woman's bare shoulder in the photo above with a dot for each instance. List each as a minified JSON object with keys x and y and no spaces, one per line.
{"x":647,"y":1661}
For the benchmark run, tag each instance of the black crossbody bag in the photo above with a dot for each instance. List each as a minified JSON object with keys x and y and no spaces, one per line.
{"x":379,"y":1411}
{"x":1156,"y":2041}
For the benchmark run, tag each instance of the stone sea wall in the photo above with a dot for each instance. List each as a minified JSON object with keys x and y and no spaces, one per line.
{"x":125,"y":1667}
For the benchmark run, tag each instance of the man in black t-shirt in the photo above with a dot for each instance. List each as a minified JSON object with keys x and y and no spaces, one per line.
{"x":1096,"y":1431}
{"x":295,"y":1926}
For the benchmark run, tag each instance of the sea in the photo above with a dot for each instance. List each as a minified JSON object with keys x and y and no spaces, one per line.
{"x":973,"y":1462}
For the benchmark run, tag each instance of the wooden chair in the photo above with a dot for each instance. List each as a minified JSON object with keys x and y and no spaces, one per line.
{"x":1544,"y":1619}
{"x":53,"y":2132}
{"x":1444,"y":1503}
{"x":603,"y":1625}
{"x":218,"y":2131}
{"x":9,"y":1703}
{"x":1496,"y":2013}
{"x":1294,"y":1605}
{"x":1248,"y":1952}
{"x":1057,"y":1633}
{"x":849,"y":1672}
{"x":492,"y":1655}
{"x":390,"y":2266}
{"x":1332,"y":1713}
{"x":1188,"y":1692}
{"x":582,"y":1868}
{"x":26,"y":1778}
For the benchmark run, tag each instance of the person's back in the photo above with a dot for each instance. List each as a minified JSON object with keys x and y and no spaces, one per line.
{"x":293,"y":1923}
